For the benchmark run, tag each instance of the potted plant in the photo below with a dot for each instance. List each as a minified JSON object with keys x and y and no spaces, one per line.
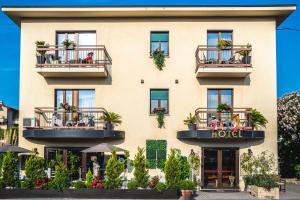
{"x":190,"y":121}
{"x":186,"y":187}
{"x":224,"y":107}
{"x":160,"y":115}
{"x":224,"y":44}
{"x":67,"y":107}
{"x":41,"y":58}
{"x":246,"y":59}
{"x":257,"y":119}
{"x":69,"y":44}
{"x":111,"y":120}
{"x":159,"y":59}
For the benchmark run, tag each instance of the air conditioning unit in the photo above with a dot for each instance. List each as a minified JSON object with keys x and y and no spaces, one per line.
{"x":29,"y":122}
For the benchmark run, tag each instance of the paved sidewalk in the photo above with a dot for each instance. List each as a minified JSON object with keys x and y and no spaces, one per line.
{"x":224,"y":196}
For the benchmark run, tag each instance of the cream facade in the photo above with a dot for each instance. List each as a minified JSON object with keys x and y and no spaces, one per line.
{"x":132,"y":74}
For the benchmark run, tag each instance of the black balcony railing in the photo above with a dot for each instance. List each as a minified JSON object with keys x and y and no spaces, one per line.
{"x":236,"y":118}
{"x":232,"y":56}
{"x":79,"y":56}
{"x":78,"y":118}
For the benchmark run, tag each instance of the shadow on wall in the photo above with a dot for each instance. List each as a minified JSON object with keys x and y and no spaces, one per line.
{"x":224,"y":81}
{"x":82,"y":81}
{"x":223,"y":144}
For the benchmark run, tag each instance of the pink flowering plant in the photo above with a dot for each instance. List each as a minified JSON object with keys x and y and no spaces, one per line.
{"x":97,"y":182}
{"x":289,"y":117}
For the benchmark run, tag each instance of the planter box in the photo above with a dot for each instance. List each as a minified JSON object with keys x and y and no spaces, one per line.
{"x":88,"y":194}
{"x":262,"y":193}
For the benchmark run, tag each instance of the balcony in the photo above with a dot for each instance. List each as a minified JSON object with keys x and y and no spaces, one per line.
{"x":219,"y":126}
{"x":83,"y":123}
{"x":81,"y":61}
{"x":234,"y":61}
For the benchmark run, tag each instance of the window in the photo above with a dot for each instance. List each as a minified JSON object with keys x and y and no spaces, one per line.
{"x":81,"y":39}
{"x":156,"y":153}
{"x":159,"y":98}
{"x":216,"y":97}
{"x":77,"y":98}
{"x":84,"y":38}
{"x":160,"y":40}
{"x":213,"y":38}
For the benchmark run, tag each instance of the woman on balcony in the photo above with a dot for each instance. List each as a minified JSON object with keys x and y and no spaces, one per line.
{"x":88,"y":59}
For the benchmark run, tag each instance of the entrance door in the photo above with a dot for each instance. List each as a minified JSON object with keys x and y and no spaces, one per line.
{"x":221,"y":168}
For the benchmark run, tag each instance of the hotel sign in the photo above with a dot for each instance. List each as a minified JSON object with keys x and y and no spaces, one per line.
{"x":226,"y":134}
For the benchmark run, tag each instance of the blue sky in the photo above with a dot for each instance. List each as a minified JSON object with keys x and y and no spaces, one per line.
{"x":288,"y":69}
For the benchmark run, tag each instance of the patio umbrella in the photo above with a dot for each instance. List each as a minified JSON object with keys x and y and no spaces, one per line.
{"x":13,"y":148}
{"x":103,"y":147}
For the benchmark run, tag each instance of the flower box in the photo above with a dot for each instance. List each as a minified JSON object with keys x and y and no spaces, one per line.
{"x":262,"y":193}
{"x":89,"y":194}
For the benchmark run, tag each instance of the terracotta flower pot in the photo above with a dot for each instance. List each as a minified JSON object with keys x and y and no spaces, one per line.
{"x":186,"y":194}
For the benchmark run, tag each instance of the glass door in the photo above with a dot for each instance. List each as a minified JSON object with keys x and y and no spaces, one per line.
{"x":210,"y":168}
{"x":220,"y":168}
{"x":222,"y":55}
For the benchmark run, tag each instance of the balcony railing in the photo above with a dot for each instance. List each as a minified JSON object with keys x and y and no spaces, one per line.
{"x":80,"y":56}
{"x":214,"y":57}
{"x":60,"y":118}
{"x":239,"y":118}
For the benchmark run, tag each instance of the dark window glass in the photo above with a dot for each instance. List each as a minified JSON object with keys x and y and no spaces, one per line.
{"x":78,"y":98}
{"x":159,"y":98}
{"x":160,"y":40}
{"x":213,"y":38}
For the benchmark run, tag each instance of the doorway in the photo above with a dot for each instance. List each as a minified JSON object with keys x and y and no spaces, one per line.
{"x":220,"y":169}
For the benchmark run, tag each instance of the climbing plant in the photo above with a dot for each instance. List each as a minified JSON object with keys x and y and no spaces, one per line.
{"x":159,"y":59}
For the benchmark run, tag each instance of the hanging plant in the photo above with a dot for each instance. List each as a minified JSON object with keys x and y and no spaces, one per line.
{"x":159,"y":59}
{"x":160,"y":116}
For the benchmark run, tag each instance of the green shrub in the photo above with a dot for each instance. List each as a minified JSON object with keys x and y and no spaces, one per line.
{"x":27,"y":184}
{"x":79,"y":184}
{"x":9,"y":165}
{"x":113,"y":171}
{"x":89,"y":178}
{"x":172,"y":169}
{"x":61,"y":179}
{"x":266,"y":181}
{"x":159,"y":187}
{"x":248,"y":180}
{"x":140,"y":172}
{"x":1,"y":183}
{"x":34,"y":169}
{"x":74,"y":159}
{"x":132,"y":184}
{"x":185,"y":168}
{"x":187,"y":185}
{"x":297,"y":171}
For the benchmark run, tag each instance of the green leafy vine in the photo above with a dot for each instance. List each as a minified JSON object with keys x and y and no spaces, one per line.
{"x":159,"y":59}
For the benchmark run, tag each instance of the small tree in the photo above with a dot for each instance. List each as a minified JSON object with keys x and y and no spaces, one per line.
{"x":61,"y":180}
{"x":113,"y":171}
{"x":195,"y":163}
{"x":9,"y":165}
{"x":34,"y":167}
{"x":172,"y":168}
{"x":140,"y":168}
{"x":74,"y":159}
{"x":89,"y":178}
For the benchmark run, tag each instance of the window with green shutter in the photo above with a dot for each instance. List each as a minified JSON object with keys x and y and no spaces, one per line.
{"x":156,"y":153}
{"x":159,"y":40}
{"x":159,"y":98}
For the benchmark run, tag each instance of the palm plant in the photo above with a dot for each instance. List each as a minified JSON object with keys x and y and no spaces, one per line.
{"x":257,"y":120}
{"x":190,"y":121}
{"x":111,"y":119}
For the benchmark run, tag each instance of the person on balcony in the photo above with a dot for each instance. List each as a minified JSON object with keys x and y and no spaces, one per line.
{"x":88,"y":59}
